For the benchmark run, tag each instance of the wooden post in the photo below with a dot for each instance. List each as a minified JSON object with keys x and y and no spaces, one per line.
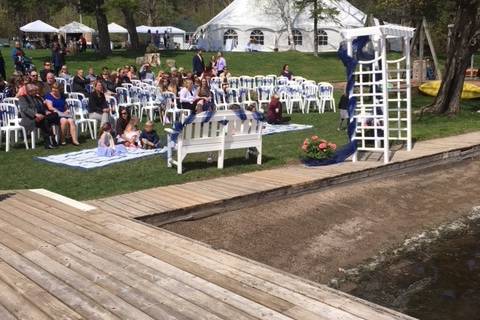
{"x":421,"y":48}
{"x":432,"y":49}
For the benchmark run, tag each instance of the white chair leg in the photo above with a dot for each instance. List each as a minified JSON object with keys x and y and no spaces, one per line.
{"x":32,"y":137}
{"x":259,"y":155}
{"x":7,"y":140}
{"x":221,"y":155}
{"x":25,"y":139}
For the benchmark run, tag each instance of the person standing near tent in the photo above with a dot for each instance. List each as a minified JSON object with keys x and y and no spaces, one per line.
{"x":198,"y":64}
{"x":58,"y":58}
{"x":221,"y":64}
{"x":18,"y":56}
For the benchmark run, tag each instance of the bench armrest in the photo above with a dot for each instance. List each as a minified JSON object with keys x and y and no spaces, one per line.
{"x":170,"y":131}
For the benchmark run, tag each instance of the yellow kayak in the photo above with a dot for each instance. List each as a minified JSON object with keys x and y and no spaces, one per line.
{"x":470,"y":91}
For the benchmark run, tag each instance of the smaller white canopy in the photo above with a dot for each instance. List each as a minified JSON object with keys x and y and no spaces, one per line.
{"x":161,"y":30}
{"x":76,"y":27}
{"x":116,"y":28}
{"x":38,"y":26}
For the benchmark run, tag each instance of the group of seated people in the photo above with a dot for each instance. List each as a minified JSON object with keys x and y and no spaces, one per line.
{"x":42,"y":99}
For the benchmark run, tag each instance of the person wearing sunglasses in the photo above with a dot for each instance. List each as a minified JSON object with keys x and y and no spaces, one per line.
{"x":47,"y":67}
{"x":34,"y":79}
{"x":122,"y":123}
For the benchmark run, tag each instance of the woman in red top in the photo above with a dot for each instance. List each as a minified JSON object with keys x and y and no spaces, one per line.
{"x":274,"y":113}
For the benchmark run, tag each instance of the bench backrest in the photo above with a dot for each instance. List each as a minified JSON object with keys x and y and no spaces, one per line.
{"x":224,"y":126}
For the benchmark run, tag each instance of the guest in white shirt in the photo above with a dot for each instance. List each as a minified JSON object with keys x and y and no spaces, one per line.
{"x":188,"y":96}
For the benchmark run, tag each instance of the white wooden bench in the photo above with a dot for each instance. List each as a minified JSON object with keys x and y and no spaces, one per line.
{"x":224,"y":131}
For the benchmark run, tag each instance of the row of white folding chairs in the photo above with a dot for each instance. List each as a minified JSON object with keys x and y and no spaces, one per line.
{"x":10,"y":123}
{"x":248,"y":82}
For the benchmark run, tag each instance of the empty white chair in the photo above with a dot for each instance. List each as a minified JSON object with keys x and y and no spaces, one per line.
{"x":62,"y":83}
{"x":298,"y":79}
{"x":113,"y":104}
{"x":325,"y":94}
{"x":232,"y":97}
{"x":234,"y":82}
{"x":80,"y":115}
{"x":282,"y":81}
{"x":136,"y":83}
{"x":215,"y":82}
{"x":270,"y":80}
{"x":310,"y":96}
{"x":247,"y":82}
{"x":294,"y":97}
{"x":259,"y":81}
{"x":76,"y":95}
{"x":245,"y":98}
{"x":150,"y":104}
{"x":264,"y":95}
{"x":9,"y":122}
{"x":219,"y":99}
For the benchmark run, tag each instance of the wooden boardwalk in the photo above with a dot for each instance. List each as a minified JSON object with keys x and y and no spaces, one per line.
{"x":179,"y":202}
{"x":69,"y":261}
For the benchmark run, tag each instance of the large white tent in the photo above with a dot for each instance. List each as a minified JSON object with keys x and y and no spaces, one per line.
{"x":233,"y":27}
{"x":38,"y":26}
{"x":76,"y":27}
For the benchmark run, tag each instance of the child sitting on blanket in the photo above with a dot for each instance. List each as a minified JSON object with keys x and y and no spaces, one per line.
{"x":149,"y":137}
{"x":106,"y":144}
{"x":131,"y":135}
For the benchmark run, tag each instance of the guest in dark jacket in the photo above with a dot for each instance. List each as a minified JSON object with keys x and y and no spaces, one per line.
{"x":286,"y":73}
{"x":122,"y":121}
{"x":274,"y":113}
{"x":58,"y":57}
{"x":98,"y":108}
{"x":80,"y":83}
{"x":34,"y":115}
{"x":198,"y":64}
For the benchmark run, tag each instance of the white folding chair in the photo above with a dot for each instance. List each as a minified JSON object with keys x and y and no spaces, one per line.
{"x":113,"y":104}
{"x":247,"y":82}
{"x":259,"y":81}
{"x":282,"y":81}
{"x":264,"y":96}
{"x":270,"y":80}
{"x":215,"y":82}
{"x":9,"y":122}
{"x":219,"y":99}
{"x":80,"y":115}
{"x":325,"y":94}
{"x":234,"y":82}
{"x":245,"y":98}
{"x":310,"y":95}
{"x":170,"y":102}
{"x":62,"y":82}
{"x":232,"y":97}
{"x":294,"y":97}
{"x":76,"y":95}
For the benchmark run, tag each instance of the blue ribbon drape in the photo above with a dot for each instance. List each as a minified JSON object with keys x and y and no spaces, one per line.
{"x":350,"y":63}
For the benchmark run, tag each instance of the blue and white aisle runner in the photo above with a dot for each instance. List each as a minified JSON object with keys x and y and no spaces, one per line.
{"x":281,"y":128}
{"x":88,"y":159}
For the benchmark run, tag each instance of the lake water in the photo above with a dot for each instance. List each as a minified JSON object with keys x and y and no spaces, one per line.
{"x":441,"y":282}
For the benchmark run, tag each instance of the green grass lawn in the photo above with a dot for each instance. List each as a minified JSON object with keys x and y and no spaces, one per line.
{"x":19,"y":169}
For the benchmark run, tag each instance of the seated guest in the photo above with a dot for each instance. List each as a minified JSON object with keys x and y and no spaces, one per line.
{"x":176,"y":75}
{"x":64,"y":73}
{"x":55,"y":101}
{"x":22,"y":87}
{"x":91,"y":75}
{"x":131,"y":135}
{"x":123,"y":77}
{"x":286,"y":73}
{"x":47,"y":68}
{"x":225,"y":74}
{"x":79,"y":83}
{"x":98,"y":108}
{"x":146,"y":73}
{"x":122,"y":122}
{"x":34,"y":80}
{"x":107,"y":82}
{"x":159,"y":78}
{"x":204,"y":96}
{"x":149,"y":137}
{"x":34,"y":115}
{"x":274,"y":113}
{"x":188,"y":96}
{"x":208,"y":73}
{"x":173,"y":86}
{"x":47,"y":87}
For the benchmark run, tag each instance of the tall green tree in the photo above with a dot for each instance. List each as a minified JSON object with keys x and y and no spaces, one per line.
{"x":98,"y":9}
{"x":319,"y":10}
{"x":128,"y":9}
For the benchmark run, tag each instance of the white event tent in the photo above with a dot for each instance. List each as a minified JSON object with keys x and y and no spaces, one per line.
{"x":76,"y":27}
{"x":232,"y":28}
{"x":116,"y":28}
{"x":38,"y":26}
{"x":176,"y":35}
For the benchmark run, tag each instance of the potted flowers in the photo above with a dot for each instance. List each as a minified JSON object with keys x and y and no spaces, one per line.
{"x":316,"y":151}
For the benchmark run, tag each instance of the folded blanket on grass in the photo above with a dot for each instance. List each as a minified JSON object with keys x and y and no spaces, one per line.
{"x":281,"y":128}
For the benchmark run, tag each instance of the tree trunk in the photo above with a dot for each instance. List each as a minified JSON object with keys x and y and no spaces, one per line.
{"x":290,"y":35}
{"x":462,"y":45}
{"x":315,"y":28}
{"x":103,"y":35}
{"x":131,"y":27}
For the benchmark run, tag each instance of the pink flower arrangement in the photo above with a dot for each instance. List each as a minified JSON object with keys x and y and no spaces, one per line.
{"x":316,"y":148}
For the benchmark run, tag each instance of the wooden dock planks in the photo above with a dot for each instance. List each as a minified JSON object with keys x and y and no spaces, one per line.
{"x":57,"y":262}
